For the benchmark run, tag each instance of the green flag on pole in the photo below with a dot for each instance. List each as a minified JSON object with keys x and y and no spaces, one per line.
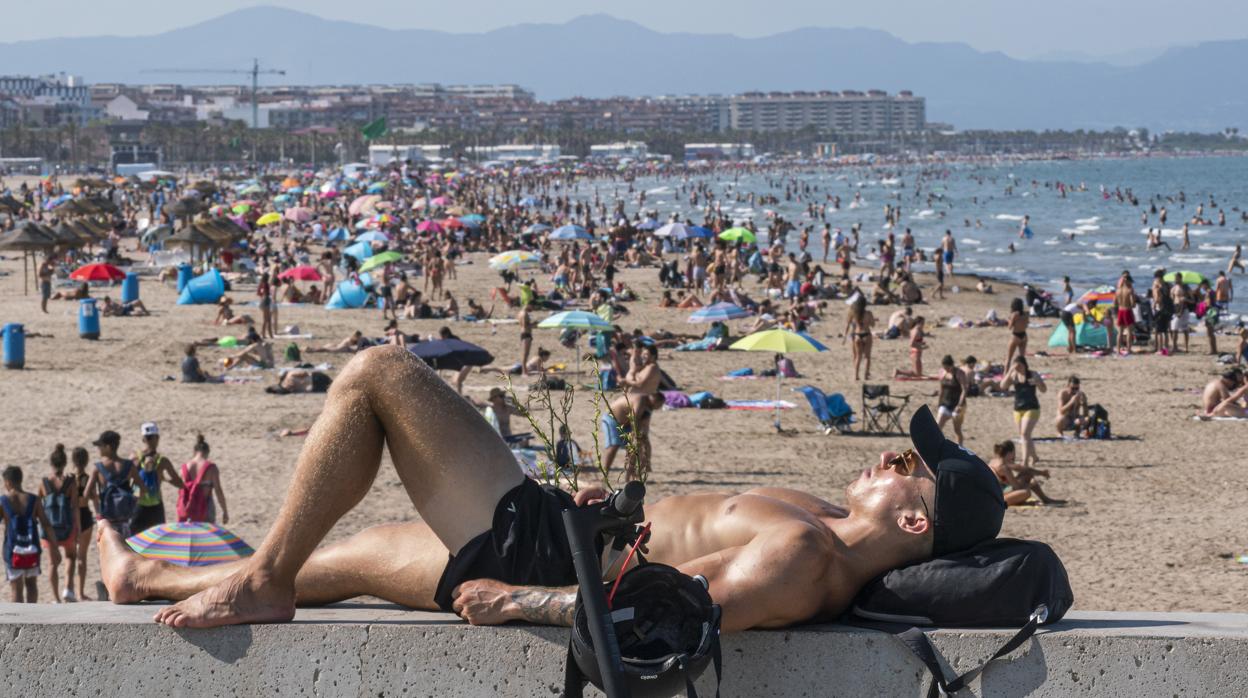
{"x":374,"y":129}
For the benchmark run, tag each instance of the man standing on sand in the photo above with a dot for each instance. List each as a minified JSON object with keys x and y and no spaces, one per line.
{"x":488,"y":535}
{"x":1124,"y":300}
{"x":45,"y":281}
{"x":1223,"y":292}
{"x":949,"y":250}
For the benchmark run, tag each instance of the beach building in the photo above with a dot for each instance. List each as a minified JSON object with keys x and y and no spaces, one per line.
{"x":636,"y":150}
{"x":386,"y":154}
{"x":847,"y":111}
{"x":513,"y":153}
{"x":718,"y":151}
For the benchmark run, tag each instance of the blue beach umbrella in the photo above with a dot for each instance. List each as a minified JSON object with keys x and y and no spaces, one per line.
{"x":570,"y":232}
{"x":719,"y":312}
{"x":360,"y":250}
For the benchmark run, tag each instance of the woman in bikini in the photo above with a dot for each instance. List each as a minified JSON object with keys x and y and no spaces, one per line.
{"x":858,"y":325}
{"x":86,"y":520}
{"x":1018,"y":331}
{"x":1026,"y":404}
{"x":916,"y":351}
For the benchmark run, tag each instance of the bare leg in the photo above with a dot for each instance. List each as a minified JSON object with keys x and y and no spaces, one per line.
{"x":54,"y":576}
{"x":400,"y":563}
{"x":84,"y":544}
{"x":454,"y":466}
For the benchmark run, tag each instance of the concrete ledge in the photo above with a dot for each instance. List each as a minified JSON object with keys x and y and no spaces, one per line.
{"x":380,"y":650}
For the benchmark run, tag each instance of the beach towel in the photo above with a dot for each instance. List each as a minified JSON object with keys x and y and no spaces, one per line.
{"x":707,"y":344}
{"x":915,"y":378}
{"x":675,"y":400}
{"x":740,"y":373}
{"x":758,"y":405}
{"x":1207,"y":418}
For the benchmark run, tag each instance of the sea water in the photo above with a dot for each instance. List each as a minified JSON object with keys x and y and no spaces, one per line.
{"x":1089,"y":235}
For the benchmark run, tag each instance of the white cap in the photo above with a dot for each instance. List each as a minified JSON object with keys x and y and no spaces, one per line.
{"x":149,"y":429}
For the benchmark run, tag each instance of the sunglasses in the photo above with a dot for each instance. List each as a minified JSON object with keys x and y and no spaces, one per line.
{"x":905,"y":463}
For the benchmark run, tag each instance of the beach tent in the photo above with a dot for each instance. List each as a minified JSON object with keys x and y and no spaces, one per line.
{"x":348,"y":294}
{"x":205,"y":288}
{"x":1087,"y":334}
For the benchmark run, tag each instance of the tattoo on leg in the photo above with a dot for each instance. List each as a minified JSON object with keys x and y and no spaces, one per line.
{"x":546,"y":605}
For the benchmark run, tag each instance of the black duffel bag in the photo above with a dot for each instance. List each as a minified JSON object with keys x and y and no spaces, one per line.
{"x":999,"y":583}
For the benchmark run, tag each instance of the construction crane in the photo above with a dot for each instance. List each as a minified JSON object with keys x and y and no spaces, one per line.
{"x":255,"y":74}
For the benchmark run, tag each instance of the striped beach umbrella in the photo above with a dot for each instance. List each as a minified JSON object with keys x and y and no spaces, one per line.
{"x":514,"y":259}
{"x":1100,"y":294}
{"x":189,"y":544}
{"x":719,"y":312}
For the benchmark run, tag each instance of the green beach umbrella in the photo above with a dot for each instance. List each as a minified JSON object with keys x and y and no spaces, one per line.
{"x":778,"y":342}
{"x":575,"y":320}
{"x":387,"y":257}
{"x":738,"y":235}
{"x":1188,"y":277}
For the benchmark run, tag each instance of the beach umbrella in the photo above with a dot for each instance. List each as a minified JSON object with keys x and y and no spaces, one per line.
{"x":432,"y":227}
{"x":778,"y":342}
{"x":570,"y":232}
{"x":240,"y":209}
{"x":338,"y":234}
{"x":1100,"y":294}
{"x":440,"y":201}
{"x":696,"y":231}
{"x":472,"y":220}
{"x":515,"y":259}
{"x":290,"y":183}
{"x":738,"y":235}
{"x":648,"y":224}
{"x":528,"y":202}
{"x":576,"y":320}
{"x":372,"y":236}
{"x":452,"y":223}
{"x":537,"y":228}
{"x":719,"y":312}
{"x":269,"y":219}
{"x":301,"y":273}
{"x":451,"y":354}
{"x":1187,"y":276}
{"x":675,"y":230}
{"x":251,"y":189}
{"x":189,"y":544}
{"x":387,"y":257}
{"x":360,"y":250}
{"x":298,"y":214}
{"x":363,"y":204}
{"x":28,"y":237}
{"x":98,"y":272}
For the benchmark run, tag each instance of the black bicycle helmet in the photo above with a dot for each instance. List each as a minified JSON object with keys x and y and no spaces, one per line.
{"x":667,"y":628}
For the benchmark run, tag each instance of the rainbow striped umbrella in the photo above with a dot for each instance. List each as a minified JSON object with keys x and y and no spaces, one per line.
{"x":189,"y":544}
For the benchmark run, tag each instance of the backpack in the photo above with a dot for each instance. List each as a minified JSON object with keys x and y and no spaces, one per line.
{"x":292,"y":354}
{"x":56,"y":504}
{"x":999,"y":583}
{"x":117,"y":500}
{"x":1098,"y":422}
{"x":25,"y":552}
{"x":192,"y":505}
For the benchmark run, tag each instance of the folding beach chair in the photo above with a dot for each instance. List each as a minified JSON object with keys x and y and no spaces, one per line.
{"x":832,"y":411}
{"x":882,"y":410}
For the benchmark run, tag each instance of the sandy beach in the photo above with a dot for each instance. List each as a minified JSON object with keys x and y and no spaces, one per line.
{"x":1154,"y":521}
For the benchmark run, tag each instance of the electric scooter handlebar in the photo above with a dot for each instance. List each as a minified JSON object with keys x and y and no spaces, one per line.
{"x":618,"y":514}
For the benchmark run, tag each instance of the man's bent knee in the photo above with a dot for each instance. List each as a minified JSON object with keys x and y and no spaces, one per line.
{"x":388,"y":360}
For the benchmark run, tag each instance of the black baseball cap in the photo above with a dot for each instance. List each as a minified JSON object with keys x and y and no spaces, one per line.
{"x":108,"y":438}
{"x":969,"y":507}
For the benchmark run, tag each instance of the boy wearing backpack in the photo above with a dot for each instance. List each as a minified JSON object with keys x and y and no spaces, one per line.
{"x":58,"y":493}
{"x":21,"y":537}
{"x":113,"y":482}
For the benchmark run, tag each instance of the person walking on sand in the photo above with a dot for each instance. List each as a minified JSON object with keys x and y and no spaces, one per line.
{"x":949,"y":250}
{"x":954,"y":388}
{"x":21,"y":511}
{"x":45,"y":281}
{"x":525,"y":320}
{"x":201,"y":480}
{"x":1025,"y":383}
{"x":58,"y":492}
{"x":1018,"y":323}
{"x":86,"y":520}
{"x":154,"y":468}
{"x":858,"y":324}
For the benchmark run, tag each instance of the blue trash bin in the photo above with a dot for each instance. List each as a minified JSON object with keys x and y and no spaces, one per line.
{"x":14,"y":345}
{"x":130,"y":288}
{"x":184,"y":276}
{"x":88,"y":319}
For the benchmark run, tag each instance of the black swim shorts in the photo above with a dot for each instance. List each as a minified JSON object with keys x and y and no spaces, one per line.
{"x":527,"y":544}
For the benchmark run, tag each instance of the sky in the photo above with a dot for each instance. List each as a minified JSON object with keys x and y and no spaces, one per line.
{"x":1019,"y":28}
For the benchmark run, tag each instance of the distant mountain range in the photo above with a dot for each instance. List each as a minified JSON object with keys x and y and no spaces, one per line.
{"x":1198,"y":88}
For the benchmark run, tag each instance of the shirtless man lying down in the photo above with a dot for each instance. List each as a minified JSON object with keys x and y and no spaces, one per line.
{"x":491,"y":546}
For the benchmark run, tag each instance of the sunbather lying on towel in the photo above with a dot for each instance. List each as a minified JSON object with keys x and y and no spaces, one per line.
{"x":491,"y":545}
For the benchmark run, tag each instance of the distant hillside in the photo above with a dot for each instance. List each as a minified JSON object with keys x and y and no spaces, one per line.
{"x":1192,"y":88}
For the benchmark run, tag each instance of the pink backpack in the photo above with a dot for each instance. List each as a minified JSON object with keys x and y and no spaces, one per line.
{"x":193,"y":497}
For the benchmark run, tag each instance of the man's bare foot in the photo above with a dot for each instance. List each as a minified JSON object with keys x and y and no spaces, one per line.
{"x":242,"y":598}
{"x":119,"y":566}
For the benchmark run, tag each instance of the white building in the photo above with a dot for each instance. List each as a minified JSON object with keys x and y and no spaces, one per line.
{"x":512,"y":153}
{"x":386,"y":154}
{"x":719,"y":151}
{"x":616,"y":151}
